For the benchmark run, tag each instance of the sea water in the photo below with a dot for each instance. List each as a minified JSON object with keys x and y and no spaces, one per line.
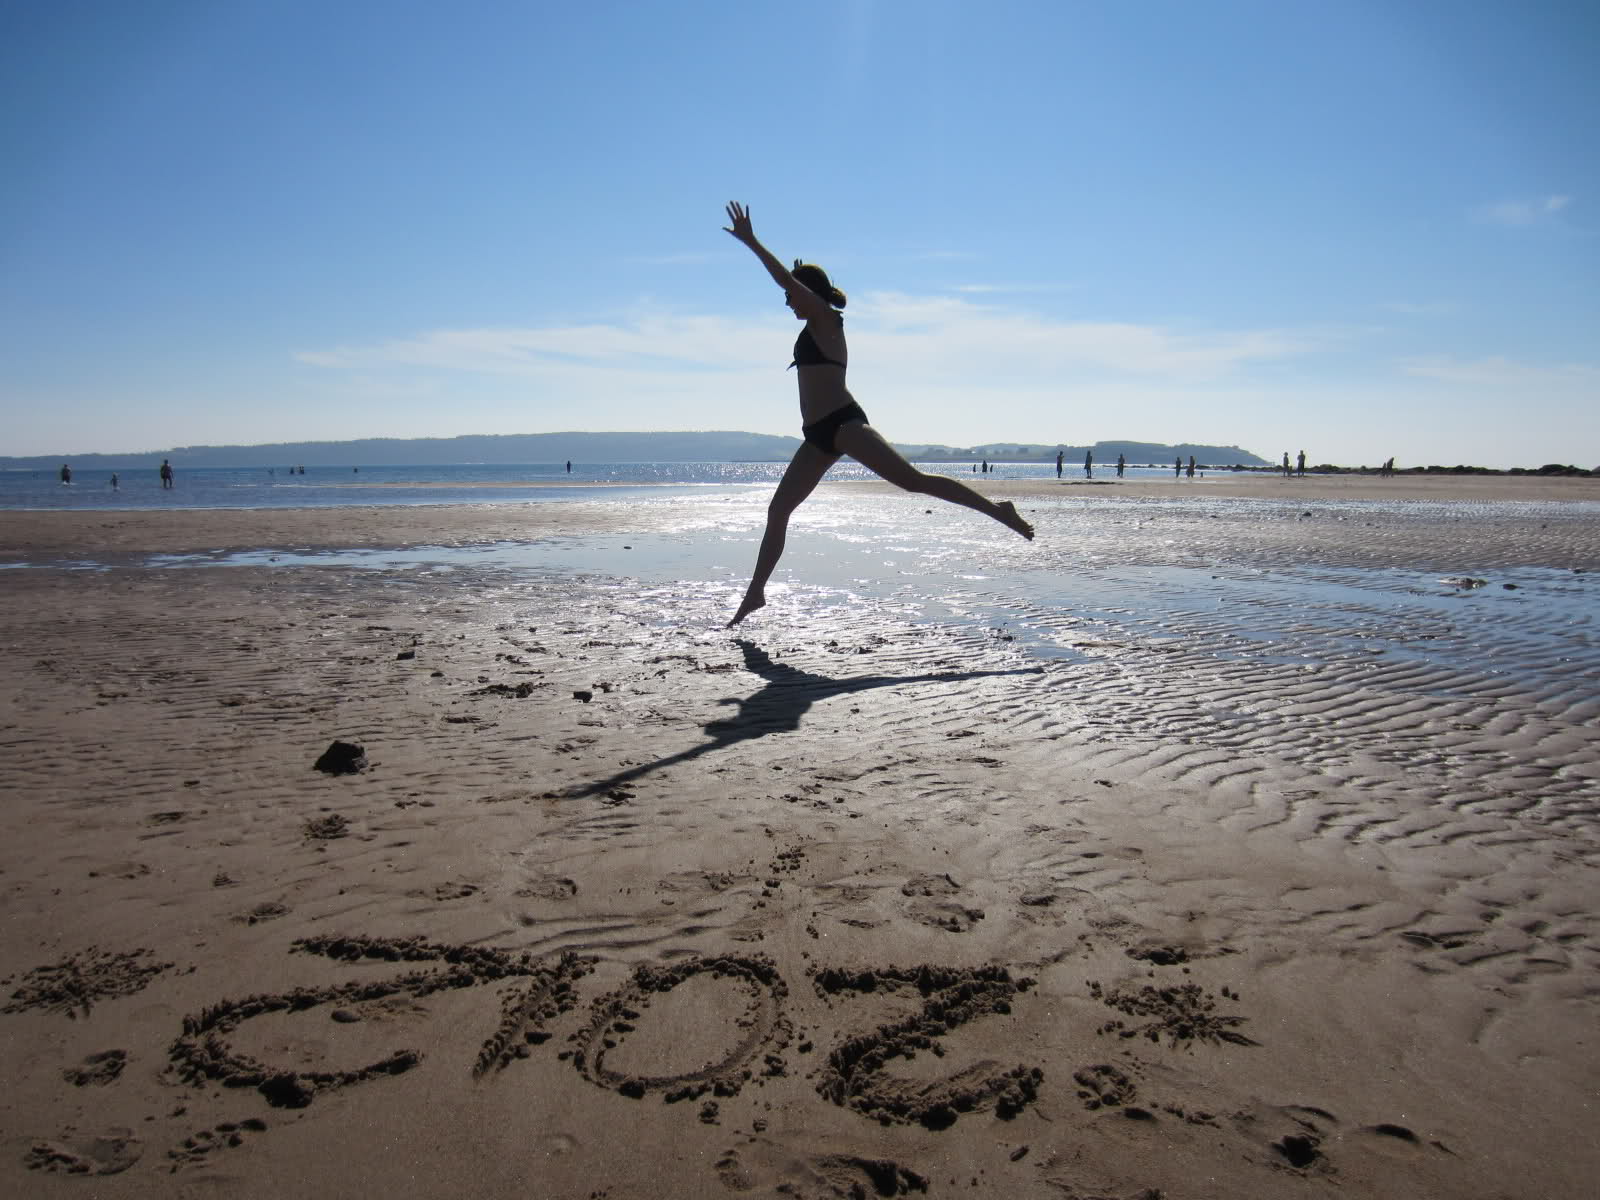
{"x":934,"y":563}
{"x":1072,"y":597}
{"x":455,"y":483}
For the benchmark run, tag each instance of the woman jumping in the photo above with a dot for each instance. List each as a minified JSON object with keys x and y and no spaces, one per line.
{"x":832,"y":422}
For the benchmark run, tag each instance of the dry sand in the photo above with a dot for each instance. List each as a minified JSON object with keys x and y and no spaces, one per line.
{"x":624,"y":905}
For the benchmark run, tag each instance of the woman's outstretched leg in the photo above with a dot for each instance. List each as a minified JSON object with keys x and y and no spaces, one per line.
{"x":800,"y":479}
{"x":866,"y":445}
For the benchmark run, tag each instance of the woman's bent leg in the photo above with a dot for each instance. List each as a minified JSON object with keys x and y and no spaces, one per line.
{"x":867,"y":446}
{"x":800,"y":479}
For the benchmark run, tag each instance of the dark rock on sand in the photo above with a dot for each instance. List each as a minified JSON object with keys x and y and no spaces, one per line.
{"x":342,"y":758}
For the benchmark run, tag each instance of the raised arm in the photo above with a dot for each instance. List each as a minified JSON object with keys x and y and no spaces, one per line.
{"x":806,"y":302}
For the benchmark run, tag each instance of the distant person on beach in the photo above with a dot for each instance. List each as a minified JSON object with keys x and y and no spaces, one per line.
{"x":833,"y":424}
{"x":1300,"y":463}
{"x":569,"y":466}
{"x":1177,"y":467}
{"x":1122,"y":465}
{"x":1191,"y":466}
{"x":116,"y":485}
{"x":166,"y":473}
{"x":1060,"y":454}
{"x":1286,"y":464}
{"x":66,"y":473}
{"x":1088,"y":464}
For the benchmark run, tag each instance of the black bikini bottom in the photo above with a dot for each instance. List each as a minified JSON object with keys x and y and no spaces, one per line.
{"x":820,"y":433}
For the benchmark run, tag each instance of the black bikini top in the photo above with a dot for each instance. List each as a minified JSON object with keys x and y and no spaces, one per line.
{"x":808,"y":354}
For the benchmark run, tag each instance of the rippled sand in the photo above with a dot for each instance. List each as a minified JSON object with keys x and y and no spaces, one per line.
{"x":1205,"y":847}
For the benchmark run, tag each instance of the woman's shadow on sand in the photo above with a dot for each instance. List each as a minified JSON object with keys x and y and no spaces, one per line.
{"x":777,"y":708}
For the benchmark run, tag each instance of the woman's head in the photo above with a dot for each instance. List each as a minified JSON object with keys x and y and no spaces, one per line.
{"x":816,"y":279}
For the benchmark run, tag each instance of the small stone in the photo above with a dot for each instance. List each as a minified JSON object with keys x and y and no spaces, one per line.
{"x":342,"y":758}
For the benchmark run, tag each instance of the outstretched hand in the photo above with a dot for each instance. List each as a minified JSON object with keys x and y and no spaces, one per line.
{"x":741,"y":227}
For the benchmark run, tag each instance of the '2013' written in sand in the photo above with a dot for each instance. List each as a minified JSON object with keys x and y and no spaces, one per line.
{"x":853,"y":1076}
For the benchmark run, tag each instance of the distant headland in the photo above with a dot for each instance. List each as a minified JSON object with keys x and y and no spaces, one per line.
{"x":688,"y":446}
{"x":704,"y":446}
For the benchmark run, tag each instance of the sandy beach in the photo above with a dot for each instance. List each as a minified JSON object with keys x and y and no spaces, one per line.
{"x":1240,"y":872}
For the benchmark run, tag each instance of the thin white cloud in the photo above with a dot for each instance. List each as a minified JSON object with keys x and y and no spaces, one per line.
{"x":928,"y":340}
{"x":1502,"y":374}
{"x":659,"y":342}
{"x":949,"y":333}
{"x":1522,"y":212}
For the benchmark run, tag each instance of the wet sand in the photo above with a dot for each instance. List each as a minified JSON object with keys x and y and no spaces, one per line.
{"x":44,"y":533}
{"x":860,"y":900}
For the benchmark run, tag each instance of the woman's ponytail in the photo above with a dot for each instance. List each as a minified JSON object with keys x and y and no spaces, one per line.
{"x":816,"y":279}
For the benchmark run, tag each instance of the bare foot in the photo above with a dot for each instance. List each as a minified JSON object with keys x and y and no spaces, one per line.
{"x":751,"y":603}
{"x":1012,"y":519}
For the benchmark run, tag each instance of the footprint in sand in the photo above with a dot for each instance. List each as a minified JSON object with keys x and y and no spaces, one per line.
{"x":548,"y":888}
{"x":690,"y":885}
{"x":327,"y":828}
{"x":73,"y":1153}
{"x":764,"y":1167}
{"x":956,"y":918}
{"x":268,"y":910}
{"x":224,"y":1136}
{"x":929,"y":885}
{"x":930,"y":905}
{"x":100,"y":1069}
{"x":121,"y":870}
{"x":1104,"y":1086}
{"x":556,"y":1145}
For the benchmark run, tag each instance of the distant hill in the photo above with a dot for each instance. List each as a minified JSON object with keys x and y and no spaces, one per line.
{"x":470,"y":448}
{"x":705,"y":446}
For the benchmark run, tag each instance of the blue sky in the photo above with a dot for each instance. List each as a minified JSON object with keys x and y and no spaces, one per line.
{"x":1358,"y":228}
